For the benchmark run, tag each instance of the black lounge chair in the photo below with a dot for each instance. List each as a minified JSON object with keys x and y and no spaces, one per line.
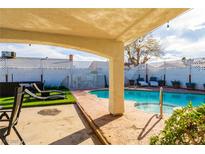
{"x":176,"y":84}
{"x":131,"y":82}
{"x":44,"y":98}
{"x":191,"y":85}
{"x":46,"y":91}
{"x":11,"y":117}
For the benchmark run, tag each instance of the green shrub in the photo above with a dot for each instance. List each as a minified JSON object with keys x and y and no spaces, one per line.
{"x":185,"y":126}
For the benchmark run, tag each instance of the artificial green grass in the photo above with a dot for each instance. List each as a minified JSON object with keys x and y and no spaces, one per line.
{"x":7,"y":102}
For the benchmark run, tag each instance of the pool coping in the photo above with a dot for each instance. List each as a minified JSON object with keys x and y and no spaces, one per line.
{"x":165,"y":89}
{"x":94,"y":127}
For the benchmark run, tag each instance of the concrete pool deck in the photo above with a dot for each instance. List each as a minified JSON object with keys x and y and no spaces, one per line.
{"x":54,"y":125}
{"x":133,"y":127}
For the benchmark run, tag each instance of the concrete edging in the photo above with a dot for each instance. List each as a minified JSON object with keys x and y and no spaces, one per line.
{"x":95,"y":128}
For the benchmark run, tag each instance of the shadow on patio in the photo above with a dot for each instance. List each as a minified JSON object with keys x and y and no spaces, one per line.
{"x":145,"y":131}
{"x":79,"y":136}
{"x":67,"y":127}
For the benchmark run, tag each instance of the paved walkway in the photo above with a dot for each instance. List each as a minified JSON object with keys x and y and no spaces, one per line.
{"x":134,"y":127}
{"x":62,"y":124}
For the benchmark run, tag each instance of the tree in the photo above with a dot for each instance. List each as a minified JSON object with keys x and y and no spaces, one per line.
{"x":187,"y":62}
{"x":141,"y":50}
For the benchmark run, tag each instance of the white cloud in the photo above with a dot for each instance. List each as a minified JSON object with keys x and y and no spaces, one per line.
{"x":41,"y":51}
{"x":33,"y":51}
{"x":192,"y":20}
{"x":184,"y":47}
{"x":174,"y":43}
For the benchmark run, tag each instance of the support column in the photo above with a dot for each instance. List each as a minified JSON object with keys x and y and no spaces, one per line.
{"x":116,"y":84}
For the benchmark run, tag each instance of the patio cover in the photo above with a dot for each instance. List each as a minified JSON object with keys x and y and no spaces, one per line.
{"x":100,"y":31}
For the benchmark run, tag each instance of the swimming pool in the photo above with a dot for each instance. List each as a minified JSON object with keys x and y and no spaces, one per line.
{"x":148,"y":101}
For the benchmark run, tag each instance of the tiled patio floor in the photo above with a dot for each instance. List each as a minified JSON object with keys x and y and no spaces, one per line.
{"x":67,"y":127}
{"x":134,"y":127}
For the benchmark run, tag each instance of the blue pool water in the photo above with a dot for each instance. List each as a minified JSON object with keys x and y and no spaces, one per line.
{"x":149,"y":100}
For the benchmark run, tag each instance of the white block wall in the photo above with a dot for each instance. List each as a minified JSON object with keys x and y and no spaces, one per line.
{"x":88,"y":74}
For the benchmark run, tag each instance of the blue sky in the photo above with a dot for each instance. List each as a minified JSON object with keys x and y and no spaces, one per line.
{"x":185,"y":38}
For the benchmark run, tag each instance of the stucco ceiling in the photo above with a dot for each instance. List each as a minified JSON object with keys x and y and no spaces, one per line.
{"x":117,"y":24}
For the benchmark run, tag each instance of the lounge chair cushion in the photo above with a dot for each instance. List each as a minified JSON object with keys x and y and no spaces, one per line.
{"x":153,"y":83}
{"x":143,"y":83}
{"x":190,"y":84}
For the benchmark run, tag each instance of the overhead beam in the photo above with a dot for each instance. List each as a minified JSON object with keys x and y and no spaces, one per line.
{"x":149,"y":22}
{"x":101,"y":47}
